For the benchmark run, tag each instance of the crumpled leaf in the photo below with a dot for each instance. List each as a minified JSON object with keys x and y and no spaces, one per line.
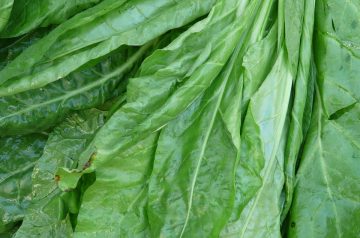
{"x":302,"y":104}
{"x":26,"y":15}
{"x":160,"y":93}
{"x":257,"y":63}
{"x":262,"y":159}
{"x":184,"y":194}
{"x":294,"y":15}
{"x":209,"y":128}
{"x":326,"y":196}
{"x":93,"y":34}
{"x":47,"y":215}
{"x":18,"y":156}
{"x":202,"y":142}
{"x":40,"y":109}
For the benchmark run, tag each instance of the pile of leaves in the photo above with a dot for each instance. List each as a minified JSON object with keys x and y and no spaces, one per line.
{"x":180,"y":118}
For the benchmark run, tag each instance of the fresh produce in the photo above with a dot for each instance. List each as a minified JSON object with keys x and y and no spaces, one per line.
{"x":192,"y":118}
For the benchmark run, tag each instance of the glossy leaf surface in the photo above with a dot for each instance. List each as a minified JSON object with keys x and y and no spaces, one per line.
{"x":326,"y":198}
{"x":18,"y":156}
{"x":29,"y":14}
{"x":47,"y":214}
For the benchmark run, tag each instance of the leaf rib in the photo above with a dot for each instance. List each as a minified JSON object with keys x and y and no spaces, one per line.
{"x":324,"y":171}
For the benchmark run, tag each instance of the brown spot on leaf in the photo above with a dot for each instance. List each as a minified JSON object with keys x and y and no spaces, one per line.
{"x":87,"y":165}
{"x":57,"y":178}
{"x":89,"y":162}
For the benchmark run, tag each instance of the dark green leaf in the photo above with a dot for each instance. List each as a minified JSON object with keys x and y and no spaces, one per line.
{"x":26,"y":15}
{"x":47,"y":215}
{"x":18,"y":156}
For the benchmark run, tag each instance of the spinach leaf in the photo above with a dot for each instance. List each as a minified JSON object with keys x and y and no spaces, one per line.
{"x":93,"y":34}
{"x":27,"y":15}
{"x":18,"y":156}
{"x":50,"y":211}
{"x":326,"y":196}
{"x":5,"y":11}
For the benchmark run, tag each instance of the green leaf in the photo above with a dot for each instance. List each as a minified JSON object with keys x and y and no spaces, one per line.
{"x":257,"y":63}
{"x":92,"y":34}
{"x":193,"y":176}
{"x":40,"y":109}
{"x":203,"y":121}
{"x":337,"y":53}
{"x":260,"y":173}
{"x":294,"y":19}
{"x":47,"y":215}
{"x":11,"y":48}
{"x":5,"y":11}
{"x":326,"y":196}
{"x":184,"y":194}
{"x":18,"y":156}
{"x":326,"y":201}
{"x":163,"y":90}
{"x":27,"y":15}
{"x":302,"y":104}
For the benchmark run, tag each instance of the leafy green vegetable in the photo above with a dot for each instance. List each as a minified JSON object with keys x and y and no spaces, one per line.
{"x":73,"y":44}
{"x":168,"y":118}
{"x":26,"y":15}
{"x":327,"y":189}
{"x":302,"y":104}
{"x":156,"y":98}
{"x":39,"y":109}
{"x":5,"y":10}
{"x":326,"y":201}
{"x":47,"y":214}
{"x":18,"y":156}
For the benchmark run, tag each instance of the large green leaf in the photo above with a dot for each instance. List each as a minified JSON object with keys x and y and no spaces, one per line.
{"x":201,"y":143}
{"x":337,"y":53}
{"x":18,"y":156}
{"x":260,"y":173}
{"x":326,"y":197}
{"x":11,"y":48}
{"x":26,"y":15}
{"x":302,"y":103}
{"x":40,"y":109}
{"x":93,"y":34}
{"x":257,"y":63}
{"x":170,"y":80}
{"x":47,"y":215}
{"x":184,"y":194}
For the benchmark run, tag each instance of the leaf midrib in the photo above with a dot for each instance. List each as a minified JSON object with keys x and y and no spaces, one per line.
{"x":207,"y":136}
{"x":271,"y":163}
{"x":116,"y":72}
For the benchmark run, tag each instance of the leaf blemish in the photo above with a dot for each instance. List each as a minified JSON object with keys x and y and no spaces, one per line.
{"x":87,"y":165}
{"x":89,"y":162}
{"x":333,"y":25}
{"x":57,"y":178}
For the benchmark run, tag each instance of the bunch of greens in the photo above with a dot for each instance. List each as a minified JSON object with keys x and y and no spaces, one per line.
{"x":169,"y":118}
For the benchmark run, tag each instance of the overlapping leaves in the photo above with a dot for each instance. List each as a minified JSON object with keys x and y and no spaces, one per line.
{"x":224,"y":127}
